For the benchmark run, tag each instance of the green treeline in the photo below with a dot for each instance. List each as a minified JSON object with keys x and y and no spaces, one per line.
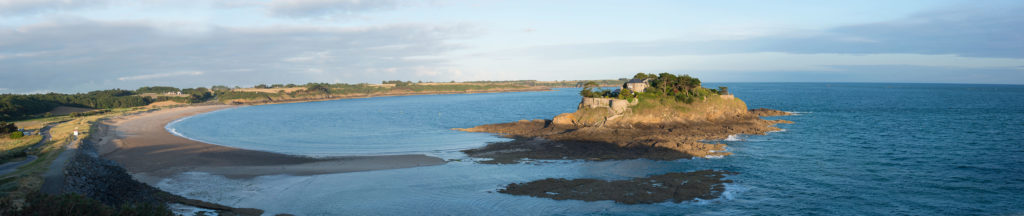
{"x":13,"y":106}
{"x":18,"y":106}
{"x":156,"y":89}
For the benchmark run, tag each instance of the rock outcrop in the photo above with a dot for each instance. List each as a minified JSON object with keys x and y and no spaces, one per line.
{"x":665,"y":130}
{"x":769,"y":112}
{"x":669,"y":187}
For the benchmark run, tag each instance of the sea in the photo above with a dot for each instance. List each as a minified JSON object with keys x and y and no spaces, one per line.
{"x":854,"y":149}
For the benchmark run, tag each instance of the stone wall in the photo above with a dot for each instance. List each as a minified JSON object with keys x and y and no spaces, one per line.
{"x":618,"y":106}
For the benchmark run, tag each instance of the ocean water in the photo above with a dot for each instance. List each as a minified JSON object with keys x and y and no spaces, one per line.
{"x":856,"y":149}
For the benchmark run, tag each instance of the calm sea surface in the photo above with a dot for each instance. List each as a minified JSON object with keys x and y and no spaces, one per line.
{"x":856,"y":149}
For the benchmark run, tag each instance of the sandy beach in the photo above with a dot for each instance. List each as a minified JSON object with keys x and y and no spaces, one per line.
{"x":146,"y":149}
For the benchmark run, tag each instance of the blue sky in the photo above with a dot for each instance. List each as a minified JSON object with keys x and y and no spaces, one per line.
{"x":75,"y":46}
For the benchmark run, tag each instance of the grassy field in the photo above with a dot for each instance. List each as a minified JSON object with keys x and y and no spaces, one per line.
{"x":654,"y":105}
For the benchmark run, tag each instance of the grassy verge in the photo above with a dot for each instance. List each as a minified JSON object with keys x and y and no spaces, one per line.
{"x":11,"y":149}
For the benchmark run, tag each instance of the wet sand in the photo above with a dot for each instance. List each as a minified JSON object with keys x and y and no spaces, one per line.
{"x":146,"y":149}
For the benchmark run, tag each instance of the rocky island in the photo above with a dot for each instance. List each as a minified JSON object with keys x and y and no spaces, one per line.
{"x":657,"y":117}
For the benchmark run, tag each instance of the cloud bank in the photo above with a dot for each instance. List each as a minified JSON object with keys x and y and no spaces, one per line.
{"x":96,"y":55}
{"x":31,"y":7}
{"x":326,"y":8}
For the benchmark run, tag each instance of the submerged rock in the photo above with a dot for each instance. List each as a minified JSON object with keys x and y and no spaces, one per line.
{"x":769,"y":112}
{"x":669,"y":187}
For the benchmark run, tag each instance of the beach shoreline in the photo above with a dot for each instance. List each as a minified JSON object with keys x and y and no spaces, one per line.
{"x":142,"y":145}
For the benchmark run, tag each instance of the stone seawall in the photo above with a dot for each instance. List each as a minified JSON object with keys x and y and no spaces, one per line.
{"x":618,"y":106}
{"x":105,"y":180}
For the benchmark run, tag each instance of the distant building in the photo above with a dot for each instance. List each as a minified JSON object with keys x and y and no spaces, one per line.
{"x":637,"y":85}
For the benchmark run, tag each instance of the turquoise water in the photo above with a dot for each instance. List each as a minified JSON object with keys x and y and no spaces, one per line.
{"x":856,"y":149}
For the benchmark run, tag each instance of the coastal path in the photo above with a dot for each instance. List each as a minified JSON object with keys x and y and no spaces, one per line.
{"x":53,"y":178}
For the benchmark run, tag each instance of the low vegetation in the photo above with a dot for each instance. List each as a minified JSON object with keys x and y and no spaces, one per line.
{"x":74,"y":204}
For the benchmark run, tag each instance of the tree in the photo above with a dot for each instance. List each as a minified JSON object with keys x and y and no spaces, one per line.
{"x":220,"y":88}
{"x":642,"y":76}
{"x":625,"y":93}
{"x":588,"y":89}
{"x":7,"y":127}
{"x":723,"y":90}
{"x":318,"y":88}
{"x":261,"y":86}
{"x":156,"y":89}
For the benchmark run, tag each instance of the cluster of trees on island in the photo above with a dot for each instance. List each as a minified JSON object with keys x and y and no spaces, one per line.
{"x":682,"y":88}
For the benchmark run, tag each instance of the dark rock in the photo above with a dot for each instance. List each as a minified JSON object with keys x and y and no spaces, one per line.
{"x":674,"y":187}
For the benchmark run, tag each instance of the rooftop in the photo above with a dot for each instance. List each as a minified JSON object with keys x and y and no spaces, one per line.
{"x":637,"y":81}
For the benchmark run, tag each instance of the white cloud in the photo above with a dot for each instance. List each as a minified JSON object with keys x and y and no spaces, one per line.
{"x":161,"y":75}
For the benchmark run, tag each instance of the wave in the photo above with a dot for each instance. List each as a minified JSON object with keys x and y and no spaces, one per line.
{"x":733,"y":137}
{"x":798,"y":112}
{"x":714,"y":156}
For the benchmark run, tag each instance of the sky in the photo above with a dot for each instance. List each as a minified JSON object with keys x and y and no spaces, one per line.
{"x":83,"y":45}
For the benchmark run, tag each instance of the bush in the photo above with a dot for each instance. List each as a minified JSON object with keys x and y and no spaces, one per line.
{"x":16,"y":135}
{"x":74,"y":204}
{"x":7,"y":127}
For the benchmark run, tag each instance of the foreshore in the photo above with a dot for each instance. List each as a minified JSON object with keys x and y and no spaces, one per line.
{"x":146,"y":149}
{"x":141,"y":143}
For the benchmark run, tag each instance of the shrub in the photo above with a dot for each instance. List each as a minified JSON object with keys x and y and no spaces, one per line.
{"x":74,"y":204}
{"x":16,"y":135}
{"x":7,"y":127}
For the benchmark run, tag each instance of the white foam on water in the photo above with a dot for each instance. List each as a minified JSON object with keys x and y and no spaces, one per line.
{"x":733,"y":137}
{"x":180,"y":209}
{"x":714,"y":156}
{"x":731,"y":191}
{"x":798,"y":112}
